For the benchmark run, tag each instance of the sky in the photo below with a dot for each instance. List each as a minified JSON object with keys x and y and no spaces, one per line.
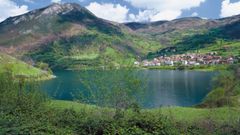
{"x":133,"y":10}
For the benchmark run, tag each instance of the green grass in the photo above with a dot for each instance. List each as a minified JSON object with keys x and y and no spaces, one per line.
{"x":61,"y":104}
{"x":89,"y":56}
{"x":180,"y":114}
{"x":223,"y":48}
{"x":18,"y":67}
{"x":87,"y":53}
{"x":191,"y":115}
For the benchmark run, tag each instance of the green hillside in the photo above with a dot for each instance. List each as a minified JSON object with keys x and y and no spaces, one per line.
{"x":17,"y":67}
{"x":223,"y":40}
{"x":94,"y":49}
{"x":193,"y":35}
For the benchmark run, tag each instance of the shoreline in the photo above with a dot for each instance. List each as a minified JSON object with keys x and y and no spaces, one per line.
{"x":43,"y":77}
{"x":190,"y":68}
{"x":180,"y":68}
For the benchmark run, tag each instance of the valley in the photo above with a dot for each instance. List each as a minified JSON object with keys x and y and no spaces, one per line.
{"x":63,"y":70}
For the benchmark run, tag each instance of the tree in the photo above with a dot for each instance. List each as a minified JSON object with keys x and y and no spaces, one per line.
{"x":117,"y":88}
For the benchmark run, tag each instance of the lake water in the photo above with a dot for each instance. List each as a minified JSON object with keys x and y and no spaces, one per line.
{"x":164,"y":87}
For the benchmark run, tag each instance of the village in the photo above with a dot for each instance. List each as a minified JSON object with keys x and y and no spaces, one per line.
{"x":191,"y":59}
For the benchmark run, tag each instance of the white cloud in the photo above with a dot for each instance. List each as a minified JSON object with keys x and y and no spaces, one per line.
{"x":151,"y":15}
{"x":194,"y":14}
{"x":56,"y":1}
{"x":166,"y":15}
{"x":163,"y":9}
{"x":230,"y":9}
{"x":9,"y":8}
{"x":143,"y":16}
{"x":166,"y":4}
{"x":150,"y":10}
{"x":109,"y":11}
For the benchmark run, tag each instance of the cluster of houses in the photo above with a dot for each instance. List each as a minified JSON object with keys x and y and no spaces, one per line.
{"x":188,"y":60}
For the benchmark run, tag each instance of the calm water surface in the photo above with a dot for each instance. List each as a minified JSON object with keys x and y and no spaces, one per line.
{"x":164,"y":87}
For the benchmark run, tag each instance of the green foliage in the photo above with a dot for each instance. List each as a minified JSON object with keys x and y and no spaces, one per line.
{"x":216,"y":95}
{"x":223,"y":48}
{"x":226,"y":89}
{"x":166,"y":120}
{"x":20,"y":106}
{"x":117,"y":91}
{"x":44,"y":67}
{"x":201,"y":41}
{"x":91,"y":47}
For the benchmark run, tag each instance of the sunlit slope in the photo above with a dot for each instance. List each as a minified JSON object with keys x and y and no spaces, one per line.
{"x":17,"y":67}
{"x":193,"y":34}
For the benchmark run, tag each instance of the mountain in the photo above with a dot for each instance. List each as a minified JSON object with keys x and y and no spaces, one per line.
{"x":190,"y":34}
{"x":70,"y":36}
{"x":196,"y":24}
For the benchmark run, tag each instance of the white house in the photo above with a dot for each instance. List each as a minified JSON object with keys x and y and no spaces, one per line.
{"x":185,"y":62}
{"x":171,"y":63}
{"x":136,"y":63}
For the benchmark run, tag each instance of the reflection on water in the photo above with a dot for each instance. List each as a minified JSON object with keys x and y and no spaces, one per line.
{"x":164,"y":87}
{"x":180,"y":88}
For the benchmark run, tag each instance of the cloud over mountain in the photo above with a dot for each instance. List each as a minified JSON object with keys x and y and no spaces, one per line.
{"x":230,"y":9}
{"x":56,"y":1}
{"x":109,"y":11}
{"x":149,"y":10}
{"x":154,"y":10}
{"x":9,"y":8}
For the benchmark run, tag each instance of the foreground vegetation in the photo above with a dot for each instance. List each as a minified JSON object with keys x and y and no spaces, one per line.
{"x":226,"y":91}
{"x":186,"y":115}
{"x":25,"y":110}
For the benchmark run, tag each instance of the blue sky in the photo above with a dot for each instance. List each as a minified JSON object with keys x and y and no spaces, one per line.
{"x":134,"y":10}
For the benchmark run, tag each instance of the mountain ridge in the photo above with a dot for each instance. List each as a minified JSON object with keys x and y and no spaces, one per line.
{"x":69,"y":36}
{"x":190,"y":34}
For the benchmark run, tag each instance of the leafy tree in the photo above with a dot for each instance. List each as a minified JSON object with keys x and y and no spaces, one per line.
{"x":226,"y":89}
{"x":118,"y":88}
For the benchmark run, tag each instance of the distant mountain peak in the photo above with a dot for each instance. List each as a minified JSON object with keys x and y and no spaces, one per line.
{"x":52,"y":9}
{"x":57,"y":8}
{"x":49,"y":11}
{"x":52,"y":22}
